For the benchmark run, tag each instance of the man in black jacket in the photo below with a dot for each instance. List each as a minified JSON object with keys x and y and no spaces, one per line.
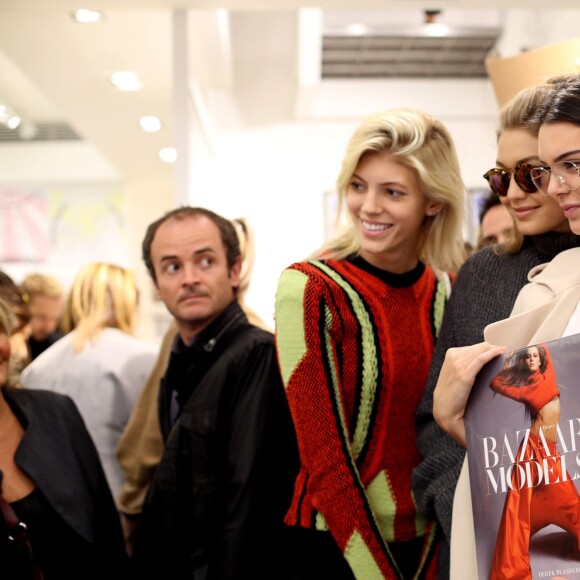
{"x":216,"y":503}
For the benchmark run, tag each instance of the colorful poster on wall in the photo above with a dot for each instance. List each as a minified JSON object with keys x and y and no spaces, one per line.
{"x":88,"y":224}
{"x":24,"y":226}
{"x":59,"y":229}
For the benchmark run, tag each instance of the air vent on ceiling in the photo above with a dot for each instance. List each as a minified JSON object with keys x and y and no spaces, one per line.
{"x":408,"y":54}
{"x":39,"y":132}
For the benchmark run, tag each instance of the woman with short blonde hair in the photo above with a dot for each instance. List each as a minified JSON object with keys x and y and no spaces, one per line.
{"x":102,"y":296}
{"x":99,"y":364}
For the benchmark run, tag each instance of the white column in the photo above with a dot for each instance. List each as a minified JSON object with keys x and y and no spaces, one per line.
{"x":182,"y":125}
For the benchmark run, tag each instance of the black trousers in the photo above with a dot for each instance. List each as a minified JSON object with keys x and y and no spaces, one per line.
{"x":312,"y":555}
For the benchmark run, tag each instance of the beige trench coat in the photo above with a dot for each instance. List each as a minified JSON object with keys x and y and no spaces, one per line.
{"x":541,"y":312}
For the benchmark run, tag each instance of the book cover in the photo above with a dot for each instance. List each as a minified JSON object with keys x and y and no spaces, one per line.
{"x":523,"y":442}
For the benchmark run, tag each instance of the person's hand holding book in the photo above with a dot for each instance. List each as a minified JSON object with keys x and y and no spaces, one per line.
{"x":455,"y":382}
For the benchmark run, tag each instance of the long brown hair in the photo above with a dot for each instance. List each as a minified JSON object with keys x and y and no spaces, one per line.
{"x":517,"y":371}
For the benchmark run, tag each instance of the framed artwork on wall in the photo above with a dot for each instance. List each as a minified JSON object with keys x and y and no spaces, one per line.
{"x":24,"y":226}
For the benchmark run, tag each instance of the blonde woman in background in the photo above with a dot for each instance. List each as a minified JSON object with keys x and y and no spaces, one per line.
{"x":485,"y":292}
{"x":248,"y":254}
{"x":99,"y":364}
{"x":45,"y":298}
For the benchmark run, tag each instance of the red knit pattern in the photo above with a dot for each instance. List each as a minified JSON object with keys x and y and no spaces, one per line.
{"x":332,"y":481}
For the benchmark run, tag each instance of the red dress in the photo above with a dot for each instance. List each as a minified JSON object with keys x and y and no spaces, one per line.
{"x":531,"y":508}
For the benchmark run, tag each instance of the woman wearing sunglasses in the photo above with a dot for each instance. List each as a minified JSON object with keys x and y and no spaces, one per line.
{"x":532,"y":213}
{"x":548,"y":307}
{"x":485,"y":291}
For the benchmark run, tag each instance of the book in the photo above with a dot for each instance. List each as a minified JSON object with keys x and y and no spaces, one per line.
{"x":523,"y":441}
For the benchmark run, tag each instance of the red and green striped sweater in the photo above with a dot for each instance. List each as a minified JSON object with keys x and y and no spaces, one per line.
{"x":354,"y":352}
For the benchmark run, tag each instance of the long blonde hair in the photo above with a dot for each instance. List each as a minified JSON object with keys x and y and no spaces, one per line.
{"x":102,"y":295}
{"x":422,"y":143}
{"x":520,"y":113}
{"x":247,"y":256}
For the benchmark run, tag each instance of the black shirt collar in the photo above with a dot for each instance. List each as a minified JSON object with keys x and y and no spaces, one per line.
{"x":550,"y":244}
{"x":396,"y":280}
{"x":207,"y":338}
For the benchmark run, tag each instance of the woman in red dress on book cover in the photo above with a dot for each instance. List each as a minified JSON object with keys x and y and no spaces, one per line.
{"x":529,"y":377}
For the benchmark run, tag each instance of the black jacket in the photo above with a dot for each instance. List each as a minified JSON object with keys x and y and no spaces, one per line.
{"x":57,"y":453}
{"x":216,"y":504}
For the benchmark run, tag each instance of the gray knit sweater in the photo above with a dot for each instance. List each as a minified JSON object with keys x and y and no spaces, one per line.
{"x":486,"y":288}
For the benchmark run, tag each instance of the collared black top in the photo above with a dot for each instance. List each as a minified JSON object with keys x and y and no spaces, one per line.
{"x":37,"y":347}
{"x":217,"y":501}
{"x":194,"y":358}
{"x":57,"y":453}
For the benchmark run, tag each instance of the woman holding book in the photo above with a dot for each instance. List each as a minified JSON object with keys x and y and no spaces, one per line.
{"x":547,"y":307}
{"x":355,"y":331}
{"x":486,"y":289}
{"x":534,"y":499}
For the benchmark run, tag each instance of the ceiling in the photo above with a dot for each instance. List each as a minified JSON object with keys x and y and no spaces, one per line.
{"x":54,"y":72}
{"x":398,"y":55}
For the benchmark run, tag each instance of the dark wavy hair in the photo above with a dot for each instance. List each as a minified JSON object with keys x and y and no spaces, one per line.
{"x":518,"y":372}
{"x":562,"y":103}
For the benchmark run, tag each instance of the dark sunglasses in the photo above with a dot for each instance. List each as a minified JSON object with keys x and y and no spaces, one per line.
{"x":499,"y":179}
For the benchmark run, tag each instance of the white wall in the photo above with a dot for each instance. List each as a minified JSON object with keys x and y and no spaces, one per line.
{"x":47,"y":162}
{"x":276,"y":175}
{"x":58,"y":171}
{"x":100,"y":217}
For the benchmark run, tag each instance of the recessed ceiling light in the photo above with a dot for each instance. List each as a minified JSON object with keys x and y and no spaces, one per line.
{"x":436,"y":29}
{"x":14,"y":122}
{"x":357,"y":29}
{"x":85,"y":16}
{"x":150,"y":124}
{"x":126,"y":80}
{"x":168,"y":154}
{"x":28,"y":130}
